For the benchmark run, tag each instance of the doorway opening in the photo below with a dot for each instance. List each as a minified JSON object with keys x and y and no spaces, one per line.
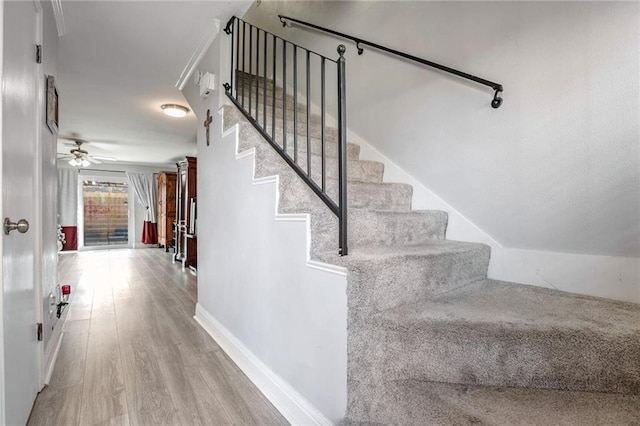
{"x":105,"y":213}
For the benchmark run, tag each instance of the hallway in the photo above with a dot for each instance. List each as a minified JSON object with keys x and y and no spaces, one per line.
{"x":132,"y":353}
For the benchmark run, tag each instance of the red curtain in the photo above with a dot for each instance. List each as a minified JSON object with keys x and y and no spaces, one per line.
{"x":149,"y":233}
{"x":70,"y":237}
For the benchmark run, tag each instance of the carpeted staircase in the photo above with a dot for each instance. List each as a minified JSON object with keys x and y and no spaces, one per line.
{"x":432,"y":340}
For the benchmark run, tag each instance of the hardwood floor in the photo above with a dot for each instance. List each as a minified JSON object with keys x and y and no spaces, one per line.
{"x":132,"y":354}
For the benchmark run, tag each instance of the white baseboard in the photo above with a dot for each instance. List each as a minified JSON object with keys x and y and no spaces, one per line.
{"x":293,"y":406}
{"x":50,"y":358}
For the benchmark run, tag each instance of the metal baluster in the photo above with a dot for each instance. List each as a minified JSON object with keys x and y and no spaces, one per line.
{"x":257,"y":75}
{"x":250,"y":64}
{"x":284,"y":96}
{"x":230,"y":90}
{"x":244,"y":39}
{"x":342,"y":151}
{"x":322,"y":107}
{"x":273,"y":95}
{"x":236,"y":28}
{"x":264,"y":83}
{"x":308,"y":103}
{"x":295,"y":103}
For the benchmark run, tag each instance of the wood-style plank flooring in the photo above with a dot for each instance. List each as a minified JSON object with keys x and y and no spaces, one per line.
{"x":132,"y":353}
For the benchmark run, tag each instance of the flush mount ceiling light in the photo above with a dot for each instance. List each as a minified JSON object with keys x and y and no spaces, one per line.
{"x":174,"y":110}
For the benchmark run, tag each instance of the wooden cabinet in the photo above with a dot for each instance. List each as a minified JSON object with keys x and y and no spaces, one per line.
{"x":166,"y":208}
{"x":186,"y":229}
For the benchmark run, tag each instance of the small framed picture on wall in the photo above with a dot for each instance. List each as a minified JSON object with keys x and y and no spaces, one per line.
{"x":52,"y":104}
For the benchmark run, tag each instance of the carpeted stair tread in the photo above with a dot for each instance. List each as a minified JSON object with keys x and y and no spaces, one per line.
{"x":491,"y":301}
{"x":381,"y":279}
{"x":389,"y":196}
{"x":250,"y":137}
{"x":369,"y":195}
{"x":357,"y":170}
{"x":315,"y":120}
{"x":425,"y":250}
{"x":378,"y":228}
{"x":504,"y":334}
{"x":296,"y":197}
{"x":257,"y":111}
{"x":421,"y":403}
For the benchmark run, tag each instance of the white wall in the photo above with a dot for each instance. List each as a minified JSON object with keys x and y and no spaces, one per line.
{"x":254,"y":283}
{"x":553,"y":174}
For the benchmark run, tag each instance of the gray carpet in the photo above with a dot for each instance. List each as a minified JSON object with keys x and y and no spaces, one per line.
{"x":432,"y":341}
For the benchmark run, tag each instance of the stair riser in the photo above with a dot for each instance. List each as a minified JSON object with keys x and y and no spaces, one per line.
{"x":370,"y":405}
{"x":259,"y":88}
{"x":315,"y":130}
{"x":330,"y":133}
{"x":410,"y":403}
{"x":257,"y":100}
{"x":330,"y":138}
{"x":257,"y":112}
{"x":315,"y":125}
{"x":370,"y":228}
{"x":496,"y":355}
{"x":250,"y":138}
{"x":297,"y":197}
{"x":377,"y":285}
{"x":357,"y":171}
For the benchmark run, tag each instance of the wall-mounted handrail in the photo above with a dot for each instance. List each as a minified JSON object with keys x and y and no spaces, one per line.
{"x":256,"y":57}
{"x":495,"y":103}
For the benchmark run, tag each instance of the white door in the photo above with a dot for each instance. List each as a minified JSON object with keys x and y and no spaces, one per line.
{"x":19,"y":139}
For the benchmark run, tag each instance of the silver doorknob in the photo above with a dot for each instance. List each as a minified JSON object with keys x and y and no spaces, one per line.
{"x":22,"y":226}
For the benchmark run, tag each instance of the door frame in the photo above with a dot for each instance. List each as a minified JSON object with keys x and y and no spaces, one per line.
{"x":35,"y":224}
{"x":39,"y":208}
{"x":2,"y":396}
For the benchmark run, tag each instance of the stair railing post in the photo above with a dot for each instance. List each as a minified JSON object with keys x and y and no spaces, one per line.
{"x":342,"y":151}
{"x":229,"y":29}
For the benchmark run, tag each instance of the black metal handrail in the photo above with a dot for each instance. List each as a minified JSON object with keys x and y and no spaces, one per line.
{"x":240,"y":91}
{"x":495,"y":103}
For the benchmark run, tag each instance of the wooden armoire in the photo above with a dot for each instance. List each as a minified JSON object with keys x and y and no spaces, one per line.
{"x":166,"y":208}
{"x":186,"y":229}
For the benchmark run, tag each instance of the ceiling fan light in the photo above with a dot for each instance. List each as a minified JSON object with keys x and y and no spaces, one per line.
{"x":85,"y":163}
{"x":74,"y":162}
{"x":174,"y":110}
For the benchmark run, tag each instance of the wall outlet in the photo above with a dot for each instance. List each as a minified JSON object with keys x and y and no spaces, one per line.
{"x":52,"y":304}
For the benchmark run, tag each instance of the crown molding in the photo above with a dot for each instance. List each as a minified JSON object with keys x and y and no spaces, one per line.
{"x":197,"y":55}
{"x":59,"y":15}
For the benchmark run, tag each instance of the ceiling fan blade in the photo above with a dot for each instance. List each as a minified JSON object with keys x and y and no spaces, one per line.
{"x":100,"y":157}
{"x":91,"y":159}
{"x":73,"y":139}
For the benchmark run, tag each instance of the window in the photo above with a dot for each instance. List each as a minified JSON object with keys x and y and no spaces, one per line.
{"x":106,"y":213}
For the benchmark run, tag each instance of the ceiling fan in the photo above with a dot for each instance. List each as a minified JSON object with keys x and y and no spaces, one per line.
{"x":78,"y":157}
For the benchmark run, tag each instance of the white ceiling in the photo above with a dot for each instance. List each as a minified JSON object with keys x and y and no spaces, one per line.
{"x":118,"y":62}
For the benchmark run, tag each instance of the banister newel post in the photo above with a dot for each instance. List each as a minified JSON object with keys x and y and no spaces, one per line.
{"x":342,"y":151}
